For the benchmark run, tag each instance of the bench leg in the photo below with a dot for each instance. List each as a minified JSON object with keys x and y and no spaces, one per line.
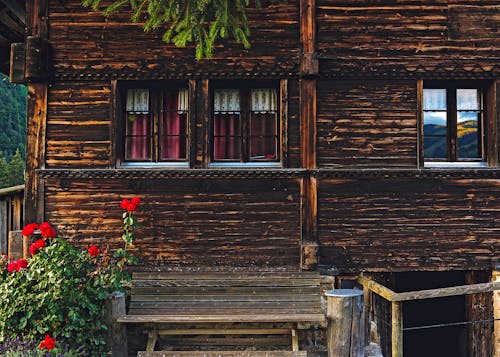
{"x":295,"y":340}
{"x":152,"y":338}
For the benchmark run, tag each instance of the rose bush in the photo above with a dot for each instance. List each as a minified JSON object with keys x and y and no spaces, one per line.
{"x":58,"y":294}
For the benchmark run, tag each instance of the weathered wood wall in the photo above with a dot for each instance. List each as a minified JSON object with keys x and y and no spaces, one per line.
{"x":408,"y":224}
{"x":367,"y":124}
{"x":188,"y":222}
{"x":78,"y":125}
{"x":372,"y":37}
{"x":372,"y":57}
{"x":86,"y":43}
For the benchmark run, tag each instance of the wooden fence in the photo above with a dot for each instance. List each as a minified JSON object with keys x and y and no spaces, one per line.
{"x":11,"y":213}
{"x":397,"y":299}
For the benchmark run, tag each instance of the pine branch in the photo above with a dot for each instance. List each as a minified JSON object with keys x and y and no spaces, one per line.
{"x":199,"y":22}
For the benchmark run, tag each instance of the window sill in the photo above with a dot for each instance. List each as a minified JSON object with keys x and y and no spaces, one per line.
{"x":244,"y":165}
{"x":452,"y":165}
{"x":153,"y":165}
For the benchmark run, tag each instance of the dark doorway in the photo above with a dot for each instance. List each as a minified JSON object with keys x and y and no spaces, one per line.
{"x":440,"y":341}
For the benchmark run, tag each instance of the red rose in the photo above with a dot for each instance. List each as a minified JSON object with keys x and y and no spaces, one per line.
{"x":131,"y":207}
{"x":22,"y":264}
{"x":48,"y":343}
{"x":93,"y":250}
{"x":40,"y":243}
{"x":29,"y":229}
{"x":124,"y":203}
{"x":47,"y":230}
{"x":136,"y":201}
{"x":12,"y":267}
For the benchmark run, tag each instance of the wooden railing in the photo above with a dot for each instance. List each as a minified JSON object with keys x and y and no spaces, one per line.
{"x":397,"y":299}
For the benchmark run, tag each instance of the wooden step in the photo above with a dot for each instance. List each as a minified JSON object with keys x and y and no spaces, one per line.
{"x":222,"y":354}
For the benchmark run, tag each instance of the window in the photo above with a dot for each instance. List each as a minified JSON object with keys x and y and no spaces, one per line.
{"x":245,"y":125}
{"x":454,"y":122}
{"x":155,"y":124}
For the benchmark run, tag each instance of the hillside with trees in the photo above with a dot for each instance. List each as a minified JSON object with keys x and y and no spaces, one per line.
{"x":12,"y":132}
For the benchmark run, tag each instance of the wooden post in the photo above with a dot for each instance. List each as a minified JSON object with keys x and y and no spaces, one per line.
{"x":496,"y":312}
{"x":15,"y":245}
{"x":345,"y":332}
{"x":117,"y":332}
{"x":4,"y":228}
{"x":367,"y":301}
{"x":397,"y":329}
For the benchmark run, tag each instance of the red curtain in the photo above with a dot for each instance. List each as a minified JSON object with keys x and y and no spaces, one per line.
{"x":138,"y":137}
{"x":226,"y":136}
{"x":263,"y":136}
{"x":174,"y":129}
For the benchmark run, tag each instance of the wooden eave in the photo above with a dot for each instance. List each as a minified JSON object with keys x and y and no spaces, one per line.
{"x":12,"y":28}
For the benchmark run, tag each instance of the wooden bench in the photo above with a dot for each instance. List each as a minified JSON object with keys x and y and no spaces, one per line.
{"x":206,"y":299}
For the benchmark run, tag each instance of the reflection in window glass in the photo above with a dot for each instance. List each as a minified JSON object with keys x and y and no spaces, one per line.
{"x":468,"y":115}
{"x":435,"y":123}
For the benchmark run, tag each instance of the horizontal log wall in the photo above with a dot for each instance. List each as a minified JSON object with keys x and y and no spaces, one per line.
{"x":78,"y":125}
{"x":367,"y":124}
{"x":247,"y":223}
{"x":84,"y":41}
{"x":359,"y":35}
{"x":409,"y":224}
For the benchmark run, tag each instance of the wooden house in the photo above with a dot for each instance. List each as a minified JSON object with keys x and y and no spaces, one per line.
{"x":352,"y":137}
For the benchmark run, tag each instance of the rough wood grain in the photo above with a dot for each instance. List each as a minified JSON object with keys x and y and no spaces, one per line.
{"x":366,"y":124}
{"x":223,"y":354}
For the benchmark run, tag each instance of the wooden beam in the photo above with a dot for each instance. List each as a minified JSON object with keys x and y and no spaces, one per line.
{"x":377,"y":288}
{"x":495,"y":277}
{"x":16,"y":8}
{"x":309,"y":58}
{"x":492,"y":120}
{"x":420,"y":124}
{"x":397,"y":329}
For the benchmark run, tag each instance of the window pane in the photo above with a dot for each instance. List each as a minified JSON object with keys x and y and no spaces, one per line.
{"x":434,"y":123}
{"x":468,"y":99}
{"x":138,"y":137}
{"x":227,"y":136}
{"x":468,"y":135}
{"x":173,"y":125}
{"x":263,"y":136}
{"x":434,"y":99}
{"x":435,"y":147}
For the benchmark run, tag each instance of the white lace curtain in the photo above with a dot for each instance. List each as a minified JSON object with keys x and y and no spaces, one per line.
{"x":138,"y":101}
{"x":263,"y":100}
{"x":435,"y":99}
{"x":227,"y":100}
{"x":182,"y":101}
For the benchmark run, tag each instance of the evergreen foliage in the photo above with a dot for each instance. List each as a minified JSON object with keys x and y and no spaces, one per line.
{"x":12,"y":132}
{"x":201,"y":22}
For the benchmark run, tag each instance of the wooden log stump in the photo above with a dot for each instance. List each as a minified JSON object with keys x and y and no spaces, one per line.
{"x":117,"y":332}
{"x":345,"y":333}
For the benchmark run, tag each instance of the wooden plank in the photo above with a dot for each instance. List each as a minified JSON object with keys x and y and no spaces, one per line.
{"x":201,"y":297}
{"x":308,"y":60}
{"x":472,"y":22}
{"x":222,"y":354}
{"x":280,"y":276}
{"x":227,"y":291}
{"x":495,"y":277}
{"x":420,"y":124}
{"x":451,"y":291}
{"x":492,"y":119}
{"x":192,"y":130}
{"x":257,"y":317}
{"x":377,"y":288}
{"x":4,"y":230}
{"x":17,"y":63}
{"x":479,"y":307}
{"x":15,"y":248}
{"x":397,"y":329}
{"x":283,"y":95}
{"x":234,"y":331}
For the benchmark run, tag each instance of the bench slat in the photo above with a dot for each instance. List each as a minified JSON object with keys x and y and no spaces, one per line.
{"x":203,"y":298}
{"x":224,"y":275}
{"x":246,"y":317}
{"x":222,"y":354}
{"x":228,"y":290}
{"x":226,"y":283}
{"x":228,"y":306}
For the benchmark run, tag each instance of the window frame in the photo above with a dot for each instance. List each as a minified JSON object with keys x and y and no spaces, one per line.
{"x":487,"y":125}
{"x":156,"y":91}
{"x":245,"y":87}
